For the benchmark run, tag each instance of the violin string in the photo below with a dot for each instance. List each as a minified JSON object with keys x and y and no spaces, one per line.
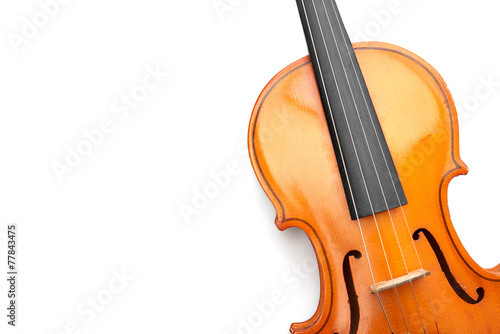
{"x":392,"y":179}
{"x":355,"y":150}
{"x":368,"y":145}
{"x":360,"y":168}
{"x":343,"y":162}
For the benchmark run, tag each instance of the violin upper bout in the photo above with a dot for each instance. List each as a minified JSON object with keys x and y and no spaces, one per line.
{"x":290,"y":145}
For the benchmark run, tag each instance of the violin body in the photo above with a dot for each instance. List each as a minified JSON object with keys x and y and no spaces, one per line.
{"x":291,"y":152}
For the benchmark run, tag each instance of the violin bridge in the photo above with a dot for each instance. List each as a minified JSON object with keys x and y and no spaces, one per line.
{"x":386,"y":285}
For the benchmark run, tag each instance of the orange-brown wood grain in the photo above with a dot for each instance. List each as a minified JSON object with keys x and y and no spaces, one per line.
{"x":293,"y":158}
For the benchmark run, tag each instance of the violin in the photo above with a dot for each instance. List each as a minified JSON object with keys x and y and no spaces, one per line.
{"x":356,"y":144}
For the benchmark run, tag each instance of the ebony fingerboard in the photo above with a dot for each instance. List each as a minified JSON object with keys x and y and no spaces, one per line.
{"x":370,"y":178}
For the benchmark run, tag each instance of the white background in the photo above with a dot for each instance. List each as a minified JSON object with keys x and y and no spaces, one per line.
{"x":119,"y":209}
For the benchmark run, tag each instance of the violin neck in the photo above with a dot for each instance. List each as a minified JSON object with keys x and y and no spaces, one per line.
{"x":370,"y":179}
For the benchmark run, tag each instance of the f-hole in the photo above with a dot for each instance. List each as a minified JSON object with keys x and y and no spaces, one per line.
{"x":351,"y":291}
{"x":446,"y":269}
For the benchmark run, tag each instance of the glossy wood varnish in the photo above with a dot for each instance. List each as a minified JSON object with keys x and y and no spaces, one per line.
{"x":292,"y":155}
